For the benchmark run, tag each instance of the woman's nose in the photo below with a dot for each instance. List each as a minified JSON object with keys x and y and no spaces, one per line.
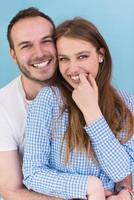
{"x":74,"y":66}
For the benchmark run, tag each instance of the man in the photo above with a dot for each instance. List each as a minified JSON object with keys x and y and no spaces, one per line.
{"x":30,"y":36}
{"x":32,"y":48}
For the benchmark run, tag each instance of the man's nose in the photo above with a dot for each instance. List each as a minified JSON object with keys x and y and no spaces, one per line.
{"x":38,"y":51}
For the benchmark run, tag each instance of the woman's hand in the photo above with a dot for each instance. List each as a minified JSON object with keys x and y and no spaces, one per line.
{"x":86,"y":98}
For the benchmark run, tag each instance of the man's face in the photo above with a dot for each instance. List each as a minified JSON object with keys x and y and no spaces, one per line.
{"x":34,"y":50}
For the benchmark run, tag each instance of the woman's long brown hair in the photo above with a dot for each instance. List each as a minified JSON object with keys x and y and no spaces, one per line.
{"x":114,"y":110}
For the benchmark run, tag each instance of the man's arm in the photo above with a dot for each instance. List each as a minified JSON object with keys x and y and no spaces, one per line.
{"x":120,"y":193}
{"x":11,"y":187}
{"x":125,"y":183}
{"x":123,"y":186}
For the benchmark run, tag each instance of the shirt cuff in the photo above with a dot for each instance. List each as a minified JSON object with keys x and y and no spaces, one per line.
{"x":99,"y":131}
{"x":78,"y":187}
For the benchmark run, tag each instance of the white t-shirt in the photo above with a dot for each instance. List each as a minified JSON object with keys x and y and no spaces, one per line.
{"x":13,"y":111}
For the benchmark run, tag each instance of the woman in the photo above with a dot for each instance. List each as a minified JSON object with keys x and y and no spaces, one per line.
{"x":79,"y":133}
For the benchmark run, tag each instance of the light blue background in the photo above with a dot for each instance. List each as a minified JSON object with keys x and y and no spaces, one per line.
{"x":115,"y":20}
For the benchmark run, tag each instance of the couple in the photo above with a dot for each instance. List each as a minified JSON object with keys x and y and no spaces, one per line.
{"x":58,"y":161}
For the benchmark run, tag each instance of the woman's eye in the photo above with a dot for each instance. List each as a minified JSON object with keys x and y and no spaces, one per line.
{"x":63,"y":59}
{"x":83,"y":57}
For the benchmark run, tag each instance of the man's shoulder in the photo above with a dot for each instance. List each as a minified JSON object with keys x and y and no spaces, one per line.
{"x":9,"y":90}
{"x":13,"y":115}
{"x":11,"y":97}
{"x":10,"y":85}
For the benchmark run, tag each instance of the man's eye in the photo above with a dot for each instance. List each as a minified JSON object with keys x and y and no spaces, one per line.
{"x":25,"y":46}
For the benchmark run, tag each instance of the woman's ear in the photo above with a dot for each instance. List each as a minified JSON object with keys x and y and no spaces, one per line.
{"x":101,"y":55}
{"x":100,"y":59}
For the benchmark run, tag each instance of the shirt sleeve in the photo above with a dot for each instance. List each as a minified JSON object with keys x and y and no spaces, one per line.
{"x":38,"y":173}
{"x":115,"y":159}
{"x":7,"y":139}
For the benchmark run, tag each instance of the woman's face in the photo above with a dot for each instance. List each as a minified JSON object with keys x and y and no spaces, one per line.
{"x":77,"y":56}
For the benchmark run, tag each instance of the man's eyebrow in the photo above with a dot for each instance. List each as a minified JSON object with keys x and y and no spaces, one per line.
{"x":23,"y":43}
{"x":47,"y":37}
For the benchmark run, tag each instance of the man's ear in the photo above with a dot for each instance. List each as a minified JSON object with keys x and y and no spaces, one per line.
{"x":13,"y":55}
{"x":101,"y":53}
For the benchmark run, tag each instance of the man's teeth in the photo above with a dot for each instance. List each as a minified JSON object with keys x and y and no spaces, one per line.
{"x":75,"y":77}
{"x":42,"y":64}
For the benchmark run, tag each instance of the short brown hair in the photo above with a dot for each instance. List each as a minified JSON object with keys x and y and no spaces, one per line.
{"x":22,"y":14}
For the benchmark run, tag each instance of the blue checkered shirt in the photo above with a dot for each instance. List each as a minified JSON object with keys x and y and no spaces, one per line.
{"x":44,"y":154}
